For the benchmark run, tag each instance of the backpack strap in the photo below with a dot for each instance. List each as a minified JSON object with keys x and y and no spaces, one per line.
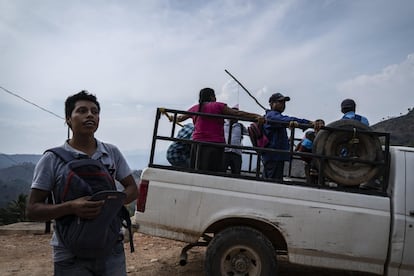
{"x":124,"y":214}
{"x":63,"y":154}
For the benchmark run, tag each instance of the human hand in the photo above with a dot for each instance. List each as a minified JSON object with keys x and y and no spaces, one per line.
{"x":318,"y":124}
{"x":83,"y":207}
{"x":293,"y":124}
{"x":260,"y":120}
{"x":162,"y":110}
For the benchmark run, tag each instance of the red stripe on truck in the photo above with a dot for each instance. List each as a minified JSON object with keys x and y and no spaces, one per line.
{"x":142,"y":197}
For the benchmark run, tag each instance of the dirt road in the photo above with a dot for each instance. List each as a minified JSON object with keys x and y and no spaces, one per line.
{"x":30,"y":254}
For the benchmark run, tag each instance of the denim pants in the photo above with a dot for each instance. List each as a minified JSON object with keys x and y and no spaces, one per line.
{"x":273,"y":170}
{"x":112,"y":265}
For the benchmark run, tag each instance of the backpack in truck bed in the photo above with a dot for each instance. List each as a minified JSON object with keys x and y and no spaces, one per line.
{"x":257,"y":135}
{"x":89,"y":238}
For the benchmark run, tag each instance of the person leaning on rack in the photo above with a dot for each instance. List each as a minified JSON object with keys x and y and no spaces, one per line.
{"x":348,"y":108}
{"x":234,"y":132}
{"x":178,"y":153}
{"x":274,"y":162}
{"x":306,"y":145}
{"x":210,"y":129}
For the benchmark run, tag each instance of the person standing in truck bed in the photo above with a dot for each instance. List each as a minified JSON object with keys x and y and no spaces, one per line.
{"x":274,"y":162}
{"x":234,"y":132}
{"x":348,"y":108}
{"x":210,"y":129}
{"x":178,"y":153}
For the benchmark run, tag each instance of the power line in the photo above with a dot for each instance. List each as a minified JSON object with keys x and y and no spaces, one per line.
{"x":32,"y":103}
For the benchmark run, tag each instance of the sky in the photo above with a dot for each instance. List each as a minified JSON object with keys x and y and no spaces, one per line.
{"x":138,"y":55}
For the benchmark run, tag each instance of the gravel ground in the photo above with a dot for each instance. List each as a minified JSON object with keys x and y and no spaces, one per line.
{"x":30,"y":254}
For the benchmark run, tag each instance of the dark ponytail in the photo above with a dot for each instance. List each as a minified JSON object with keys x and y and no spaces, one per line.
{"x":206,"y":95}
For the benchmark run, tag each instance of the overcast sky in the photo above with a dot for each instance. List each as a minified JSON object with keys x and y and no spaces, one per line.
{"x":140,"y":55}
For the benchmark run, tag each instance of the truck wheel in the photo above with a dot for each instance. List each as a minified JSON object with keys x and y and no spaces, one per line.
{"x":240,"y":250}
{"x":346,"y":144}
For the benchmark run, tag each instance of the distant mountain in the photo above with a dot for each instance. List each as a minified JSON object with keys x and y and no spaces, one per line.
{"x":16,"y":170}
{"x":136,"y":160}
{"x":8,"y":160}
{"x":401,"y":129}
{"x":16,"y":173}
{"x":14,"y":181}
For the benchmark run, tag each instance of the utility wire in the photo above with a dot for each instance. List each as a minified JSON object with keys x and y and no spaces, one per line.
{"x":32,"y":103}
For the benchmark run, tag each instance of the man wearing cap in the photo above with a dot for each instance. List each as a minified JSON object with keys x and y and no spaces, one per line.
{"x":275,"y":130}
{"x":348,"y":107}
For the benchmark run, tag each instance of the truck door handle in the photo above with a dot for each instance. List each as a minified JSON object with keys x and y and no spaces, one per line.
{"x":412,"y":213}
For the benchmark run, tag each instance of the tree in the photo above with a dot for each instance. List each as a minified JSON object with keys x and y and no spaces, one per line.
{"x":19,"y":206}
{"x":15,"y":211}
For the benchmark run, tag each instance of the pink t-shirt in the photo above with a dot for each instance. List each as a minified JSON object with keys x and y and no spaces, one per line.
{"x":209,"y":129}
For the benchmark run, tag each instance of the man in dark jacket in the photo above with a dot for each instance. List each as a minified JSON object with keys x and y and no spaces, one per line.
{"x":275,"y":130}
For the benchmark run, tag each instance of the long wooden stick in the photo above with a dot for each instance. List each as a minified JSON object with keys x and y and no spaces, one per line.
{"x":247,"y":91}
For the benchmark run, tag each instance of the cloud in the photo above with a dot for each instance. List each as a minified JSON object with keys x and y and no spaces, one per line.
{"x":382,"y":93}
{"x":139,"y":55}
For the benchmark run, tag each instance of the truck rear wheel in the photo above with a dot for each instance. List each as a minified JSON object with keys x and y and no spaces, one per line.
{"x":348,"y":145}
{"x":240,"y":250}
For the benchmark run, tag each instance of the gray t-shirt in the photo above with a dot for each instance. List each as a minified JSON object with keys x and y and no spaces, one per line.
{"x":48,"y":172}
{"x":237,"y":132}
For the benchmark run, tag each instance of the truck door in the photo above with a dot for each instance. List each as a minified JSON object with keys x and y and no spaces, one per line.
{"x":407,"y":266}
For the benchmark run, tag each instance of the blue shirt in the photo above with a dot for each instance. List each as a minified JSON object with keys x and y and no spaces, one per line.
{"x":307,"y":144}
{"x":352,"y":116}
{"x":277,"y":134}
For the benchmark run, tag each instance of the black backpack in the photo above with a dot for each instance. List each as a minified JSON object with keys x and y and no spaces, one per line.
{"x":88,"y":177}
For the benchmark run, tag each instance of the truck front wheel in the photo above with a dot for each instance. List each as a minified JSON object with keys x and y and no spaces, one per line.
{"x":240,"y":250}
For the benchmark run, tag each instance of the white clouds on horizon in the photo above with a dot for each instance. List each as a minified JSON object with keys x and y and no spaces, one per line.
{"x":139,"y":55}
{"x":380,"y":92}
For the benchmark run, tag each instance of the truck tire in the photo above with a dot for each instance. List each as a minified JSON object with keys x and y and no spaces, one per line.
{"x":240,"y":250}
{"x":339,"y":143}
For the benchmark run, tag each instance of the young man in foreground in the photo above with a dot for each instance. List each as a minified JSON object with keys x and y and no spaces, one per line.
{"x":82,"y":116}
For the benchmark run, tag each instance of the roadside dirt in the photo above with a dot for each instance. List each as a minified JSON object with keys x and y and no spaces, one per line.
{"x":30,"y":254}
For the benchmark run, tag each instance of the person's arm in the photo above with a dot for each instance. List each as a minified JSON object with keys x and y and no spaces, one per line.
{"x":294,"y":121}
{"x":131,"y":189}
{"x":183,"y":117}
{"x":39,"y":210}
{"x":233,"y":112}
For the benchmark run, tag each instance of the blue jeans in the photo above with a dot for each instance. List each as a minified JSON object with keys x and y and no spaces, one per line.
{"x":112,"y":265}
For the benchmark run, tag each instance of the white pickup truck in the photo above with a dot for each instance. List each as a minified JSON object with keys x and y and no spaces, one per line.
{"x":245,"y":221}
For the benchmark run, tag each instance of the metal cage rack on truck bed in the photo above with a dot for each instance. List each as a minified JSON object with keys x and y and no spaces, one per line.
{"x":364,"y":169}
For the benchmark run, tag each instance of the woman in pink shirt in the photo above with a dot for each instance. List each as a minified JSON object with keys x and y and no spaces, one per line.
{"x":210,"y":129}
